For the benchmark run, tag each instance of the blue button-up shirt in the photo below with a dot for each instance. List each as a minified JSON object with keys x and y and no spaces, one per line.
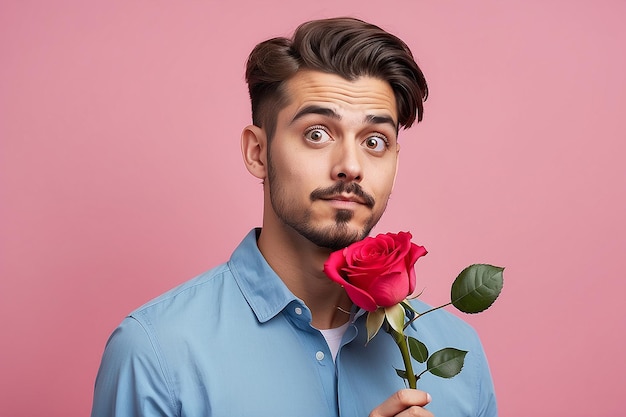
{"x":235,"y":341}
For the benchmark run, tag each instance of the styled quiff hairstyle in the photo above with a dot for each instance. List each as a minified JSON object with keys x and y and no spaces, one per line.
{"x":348,"y":47}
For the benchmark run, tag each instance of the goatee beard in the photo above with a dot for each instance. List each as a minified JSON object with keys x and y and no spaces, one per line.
{"x":335,"y":237}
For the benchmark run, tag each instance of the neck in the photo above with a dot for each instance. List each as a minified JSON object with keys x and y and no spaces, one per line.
{"x":299,"y":263}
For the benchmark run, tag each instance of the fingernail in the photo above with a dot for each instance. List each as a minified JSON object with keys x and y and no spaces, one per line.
{"x":428,"y":397}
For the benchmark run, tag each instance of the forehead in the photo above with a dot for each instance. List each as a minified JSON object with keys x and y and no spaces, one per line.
{"x":365,"y":94}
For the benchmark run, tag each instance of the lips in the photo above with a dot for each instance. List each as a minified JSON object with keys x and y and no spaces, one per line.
{"x":347,"y":198}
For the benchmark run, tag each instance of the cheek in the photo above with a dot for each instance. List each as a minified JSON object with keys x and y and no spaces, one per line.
{"x":383,"y":183}
{"x":302,"y":178}
{"x":297,"y":163}
{"x":287,"y":166}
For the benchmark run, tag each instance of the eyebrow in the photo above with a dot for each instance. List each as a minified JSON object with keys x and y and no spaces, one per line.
{"x":325,"y":111}
{"x":377,"y":120}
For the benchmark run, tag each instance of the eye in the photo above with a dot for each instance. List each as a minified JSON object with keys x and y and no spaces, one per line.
{"x":317,"y":134}
{"x":376,"y":143}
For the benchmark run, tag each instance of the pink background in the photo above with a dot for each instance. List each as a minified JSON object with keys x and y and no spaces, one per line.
{"x":121,"y":177}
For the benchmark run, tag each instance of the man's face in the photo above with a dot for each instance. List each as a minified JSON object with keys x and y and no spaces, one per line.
{"x":333,"y":158}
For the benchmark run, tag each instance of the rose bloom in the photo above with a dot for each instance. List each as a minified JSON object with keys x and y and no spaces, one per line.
{"x":376,"y":271}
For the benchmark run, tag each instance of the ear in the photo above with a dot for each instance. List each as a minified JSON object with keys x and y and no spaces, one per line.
{"x":254,"y":150}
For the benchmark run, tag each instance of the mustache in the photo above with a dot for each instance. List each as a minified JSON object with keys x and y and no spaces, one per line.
{"x":343,"y":188}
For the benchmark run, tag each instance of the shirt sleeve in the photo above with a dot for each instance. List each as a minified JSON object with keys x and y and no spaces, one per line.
{"x":132,"y":379}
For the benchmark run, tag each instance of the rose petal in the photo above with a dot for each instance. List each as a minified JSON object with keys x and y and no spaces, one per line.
{"x":360,"y":298}
{"x":390,"y":289}
{"x":333,"y":265}
{"x":415,"y":253}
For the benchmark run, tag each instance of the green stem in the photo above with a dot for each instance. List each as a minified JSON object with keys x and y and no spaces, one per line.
{"x":433,"y":309}
{"x":422,"y":373}
{"x":406,"y":357}
{"x":418,"y":315}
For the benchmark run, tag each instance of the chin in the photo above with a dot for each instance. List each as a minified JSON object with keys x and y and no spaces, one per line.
{"x":335,"y":237}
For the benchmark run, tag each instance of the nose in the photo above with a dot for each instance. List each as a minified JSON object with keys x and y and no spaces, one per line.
{"x":347,"y":165}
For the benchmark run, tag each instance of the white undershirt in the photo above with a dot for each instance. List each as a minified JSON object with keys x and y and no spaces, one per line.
{"x":333,"y":338}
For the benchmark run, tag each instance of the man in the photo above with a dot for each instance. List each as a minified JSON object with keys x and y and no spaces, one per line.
{"x":268,"y":334}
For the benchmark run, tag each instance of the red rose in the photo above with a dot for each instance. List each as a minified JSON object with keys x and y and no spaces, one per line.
{"x":377,"y":271}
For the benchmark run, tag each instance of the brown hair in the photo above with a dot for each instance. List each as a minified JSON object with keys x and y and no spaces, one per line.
{"x":344,"y":46}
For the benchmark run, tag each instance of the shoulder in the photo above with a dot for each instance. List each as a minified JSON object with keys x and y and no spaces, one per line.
{"x":194,"y":293}
{"x":178,"y":304}
{"x":132,"y":371}
{"x":207,"y":290}
{"x":139,"y":357}
{"x":183,"y":312}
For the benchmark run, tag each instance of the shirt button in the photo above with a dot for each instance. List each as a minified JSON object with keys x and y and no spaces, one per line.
{"x":298,"y":310}
{"x":319,"y":355}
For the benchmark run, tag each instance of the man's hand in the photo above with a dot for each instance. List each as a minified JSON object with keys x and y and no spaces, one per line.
{"x":404,"y":403}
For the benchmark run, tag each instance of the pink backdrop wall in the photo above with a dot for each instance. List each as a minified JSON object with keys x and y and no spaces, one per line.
{"x":121,"y":177}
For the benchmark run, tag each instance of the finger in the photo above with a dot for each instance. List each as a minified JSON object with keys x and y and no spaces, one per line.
{"x":401,"y":401}
{"x":415,"y":411}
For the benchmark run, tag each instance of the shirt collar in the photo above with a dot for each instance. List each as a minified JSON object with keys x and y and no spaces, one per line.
{"x":264,"y":291}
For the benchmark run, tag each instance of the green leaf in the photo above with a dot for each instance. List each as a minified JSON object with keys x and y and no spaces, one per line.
{"x":446,"y":363}
{"x":395,"y":318}
{"x":418,"y":350}
{"x":401,"y":373}
{"x":477,"y":287}
{"x":374,"y":322}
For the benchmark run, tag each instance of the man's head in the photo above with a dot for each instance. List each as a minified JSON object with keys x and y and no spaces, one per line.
{"x":327,"y":106}
{"x":346,"y":47}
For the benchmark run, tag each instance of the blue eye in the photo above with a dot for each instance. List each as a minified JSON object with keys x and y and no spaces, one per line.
{"x":376,"y":143}
{"x":317,"y":134}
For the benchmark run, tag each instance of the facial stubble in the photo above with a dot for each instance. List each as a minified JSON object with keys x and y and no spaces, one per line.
{"x":334,"y":237}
